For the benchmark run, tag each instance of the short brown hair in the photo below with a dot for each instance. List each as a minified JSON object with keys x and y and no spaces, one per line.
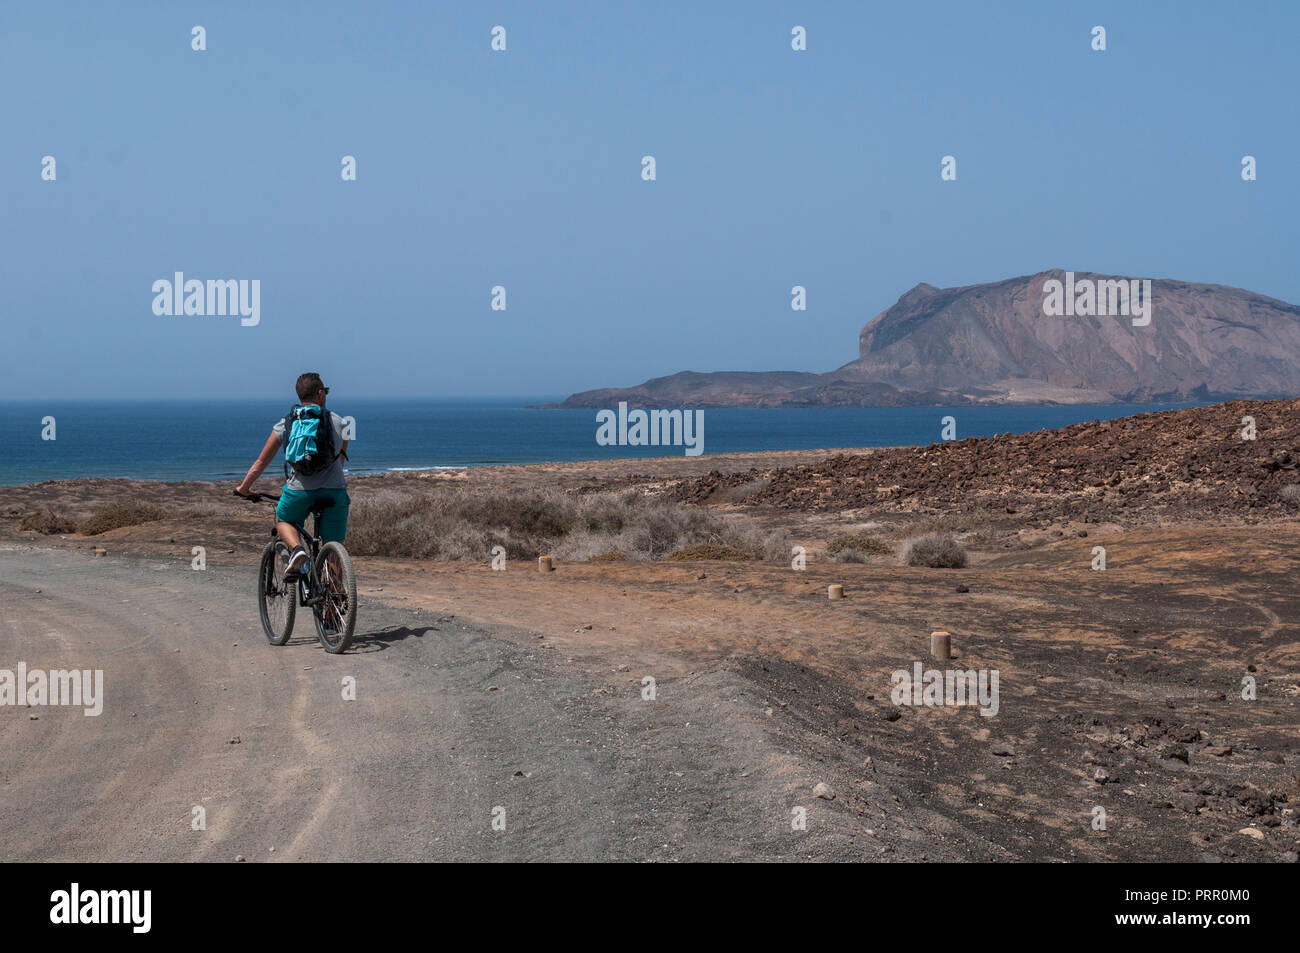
{"x":308,"y":385}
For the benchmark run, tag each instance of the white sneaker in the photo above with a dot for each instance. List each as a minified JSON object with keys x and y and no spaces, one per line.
{"x":296,"y":561}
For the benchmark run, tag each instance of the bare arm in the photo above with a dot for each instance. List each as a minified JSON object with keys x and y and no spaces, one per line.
{"x":264,"y":459}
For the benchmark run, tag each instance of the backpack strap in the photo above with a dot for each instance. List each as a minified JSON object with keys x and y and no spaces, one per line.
{"x":288,"y":429}
{"x":327,"y":420}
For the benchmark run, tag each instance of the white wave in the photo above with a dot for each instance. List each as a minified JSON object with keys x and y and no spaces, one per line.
{"x":417,"y":469}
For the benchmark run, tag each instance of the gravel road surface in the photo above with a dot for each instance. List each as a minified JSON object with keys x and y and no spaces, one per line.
{"x":450,"y":724}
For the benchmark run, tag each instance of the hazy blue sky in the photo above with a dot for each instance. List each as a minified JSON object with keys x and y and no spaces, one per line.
{"x":522,"y":168}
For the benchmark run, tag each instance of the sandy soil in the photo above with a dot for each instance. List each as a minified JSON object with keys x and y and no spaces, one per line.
{"x":1121,"y":690}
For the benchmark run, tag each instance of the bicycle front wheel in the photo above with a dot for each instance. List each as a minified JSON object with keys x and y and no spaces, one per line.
{"x":276,"y":598}
{"x":336,"y":612}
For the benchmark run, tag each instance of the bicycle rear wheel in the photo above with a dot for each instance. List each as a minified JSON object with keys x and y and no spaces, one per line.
{"x":277,"y":600}
{"x":336,"y":613}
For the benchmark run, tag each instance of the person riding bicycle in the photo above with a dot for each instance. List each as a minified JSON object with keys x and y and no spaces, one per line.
{"x":323,"y":479}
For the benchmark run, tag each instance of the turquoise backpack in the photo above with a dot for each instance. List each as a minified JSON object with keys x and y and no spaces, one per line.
{"x":308,"y":440}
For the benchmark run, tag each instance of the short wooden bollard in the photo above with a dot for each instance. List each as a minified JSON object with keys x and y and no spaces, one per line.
{"x":940,"y":645}
{"x":544,"y":564}
{"x":835,"y":591}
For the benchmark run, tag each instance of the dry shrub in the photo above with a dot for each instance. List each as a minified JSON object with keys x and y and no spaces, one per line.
{"x":708,"y":551}
{"x":48,"y":521}
{"x":465,"y":523}
{"x":115,"y":517}
{"x":770,"y":545}
{"x":935,"y":552}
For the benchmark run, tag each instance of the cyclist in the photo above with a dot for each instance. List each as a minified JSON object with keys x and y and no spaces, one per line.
{"x":302,"y":490}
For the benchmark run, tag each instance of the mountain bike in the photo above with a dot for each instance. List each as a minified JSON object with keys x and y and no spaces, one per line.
{"x":327,"y":585}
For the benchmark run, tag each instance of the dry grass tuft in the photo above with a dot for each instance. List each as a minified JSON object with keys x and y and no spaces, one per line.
{"x":935,"y":552}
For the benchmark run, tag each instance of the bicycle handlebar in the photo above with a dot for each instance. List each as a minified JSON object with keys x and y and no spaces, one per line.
{"x":257,"y":497}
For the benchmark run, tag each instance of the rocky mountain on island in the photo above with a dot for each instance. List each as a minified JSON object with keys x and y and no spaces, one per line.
{"x":1054,"y":337}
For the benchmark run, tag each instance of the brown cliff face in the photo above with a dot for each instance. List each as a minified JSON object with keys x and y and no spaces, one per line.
{"x":1201,"y":340}
{"x":996,"y":343}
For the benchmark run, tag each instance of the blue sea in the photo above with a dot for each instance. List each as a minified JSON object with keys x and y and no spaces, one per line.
{"x":218,"y":440}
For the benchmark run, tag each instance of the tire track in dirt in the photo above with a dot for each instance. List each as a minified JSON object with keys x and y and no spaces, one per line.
{"x":169,"y":724}
{"x":450,"y":723}
{"x":50,"y":643}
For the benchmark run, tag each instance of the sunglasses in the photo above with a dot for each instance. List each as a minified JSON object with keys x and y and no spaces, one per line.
{"x":325,"y":389}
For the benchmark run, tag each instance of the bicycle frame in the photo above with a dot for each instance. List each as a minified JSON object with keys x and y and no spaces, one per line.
{"x":310,"y":590}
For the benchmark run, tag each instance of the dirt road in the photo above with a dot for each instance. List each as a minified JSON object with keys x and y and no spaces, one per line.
{"x":449,"y":723}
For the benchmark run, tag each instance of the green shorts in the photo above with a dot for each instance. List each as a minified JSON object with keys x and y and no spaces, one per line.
{"x":294,"y":506}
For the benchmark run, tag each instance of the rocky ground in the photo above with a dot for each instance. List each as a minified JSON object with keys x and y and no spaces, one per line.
{"x":1183,"y":464}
